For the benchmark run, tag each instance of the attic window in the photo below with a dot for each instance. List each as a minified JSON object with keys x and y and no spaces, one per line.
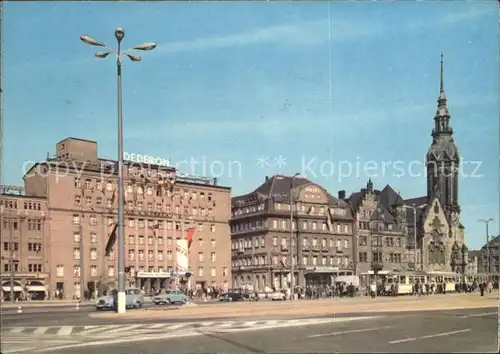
{"x":436,"y":208}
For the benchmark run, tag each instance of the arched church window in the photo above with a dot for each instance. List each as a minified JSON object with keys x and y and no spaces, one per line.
{"x":436,"y":208}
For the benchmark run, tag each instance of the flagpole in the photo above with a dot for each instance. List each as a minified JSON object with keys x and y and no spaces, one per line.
{"x":82,"y":245}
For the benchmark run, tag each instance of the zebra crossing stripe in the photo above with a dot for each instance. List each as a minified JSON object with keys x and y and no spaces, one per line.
{"x":206,"y":324}
{"x":270,"y":323}
{"x":40,"y":330}
{"x":97,"y":329}
{"x":226,"y":324}
{"x":125,"y":328}
{"x":65,"y":331}
{"x":249,"y":323}
{"x":159,"y":325}
{"x":17,"y":330}
{"x":176,"y":326}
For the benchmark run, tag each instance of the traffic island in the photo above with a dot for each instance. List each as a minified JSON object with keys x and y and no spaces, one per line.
{"x":313,"y":308}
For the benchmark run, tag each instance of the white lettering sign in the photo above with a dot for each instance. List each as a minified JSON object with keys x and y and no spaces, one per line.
{"x":151,"y":160}
{"x":153,"y":274}
{"x":312,"y":190}
{"x":322,"y":269}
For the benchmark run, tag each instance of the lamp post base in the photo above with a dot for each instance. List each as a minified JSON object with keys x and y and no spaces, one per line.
{"x":122,"y":302}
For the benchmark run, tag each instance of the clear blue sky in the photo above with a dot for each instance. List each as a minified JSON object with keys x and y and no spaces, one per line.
{"x":236,"y":81}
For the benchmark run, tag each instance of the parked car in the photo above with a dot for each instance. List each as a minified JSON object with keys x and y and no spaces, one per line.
{"x":161,"y":299}
{"x":176,"y":297}
{"x":277,"y":296}
{"x":133,"y":299}
{"x":230,"y":296}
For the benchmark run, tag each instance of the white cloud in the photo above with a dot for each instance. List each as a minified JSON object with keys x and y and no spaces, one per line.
{"x":313,"y":33}
{"x":302,"y":34}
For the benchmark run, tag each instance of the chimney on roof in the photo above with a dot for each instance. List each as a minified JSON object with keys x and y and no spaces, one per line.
{"x":267,"y":178}
{"x":342,"y":194}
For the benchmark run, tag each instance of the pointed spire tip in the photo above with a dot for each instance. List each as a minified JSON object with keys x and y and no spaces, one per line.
{"x":441,"y":85}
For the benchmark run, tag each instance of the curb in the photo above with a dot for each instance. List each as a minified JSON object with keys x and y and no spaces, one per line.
{"x":302,"y":311}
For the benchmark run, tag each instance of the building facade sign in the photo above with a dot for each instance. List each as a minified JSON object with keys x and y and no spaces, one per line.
{"x":152,"y":160}
{"x":6,"y":276}
{"x":312,"y":189}
{"x":322,"y":269}
{"x":153,"y":275}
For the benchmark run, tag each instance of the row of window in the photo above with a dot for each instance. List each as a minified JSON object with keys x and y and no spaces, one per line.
{"x":151,"y":207}
{"x":284,"y":260}
{"x":13,"y":204}
{"x":140,"y":255}
{"x":375,"y":225}
{"x":285,"y":225}
{"x":111,"y":272}
{"x":133,"y":240}
{"x":33,"y":224}
{"x":304,"y":208}
{"x":283,"y":241}
{"x":378,"y":257}
{"x":377,"y":241}
{"x":32,"y":267}
{"x":141,"y":223}
{"x":32,"y":246}
{"x":159,"y":255}
{"x":311,"y":209}
{"x":109,"y":186}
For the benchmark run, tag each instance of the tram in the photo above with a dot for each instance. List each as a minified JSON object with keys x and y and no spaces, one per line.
{"x":402,"y":283}
{"x":482,"y":277}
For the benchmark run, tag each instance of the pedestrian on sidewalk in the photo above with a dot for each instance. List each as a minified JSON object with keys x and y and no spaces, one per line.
{"x":373,"y":290}
{"x":481,"y":288}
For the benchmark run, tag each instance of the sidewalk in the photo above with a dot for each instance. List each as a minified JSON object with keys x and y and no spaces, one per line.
{"x":319,"y":307}
{"x":44,"y":303}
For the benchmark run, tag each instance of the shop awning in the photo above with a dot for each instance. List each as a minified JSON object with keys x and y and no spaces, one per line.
{"x":16,"y":288}
{"x":38,"y":288}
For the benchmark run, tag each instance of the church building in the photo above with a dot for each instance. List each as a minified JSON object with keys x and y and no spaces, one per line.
{"x":385,"y":222}
{"x":440,"y":232}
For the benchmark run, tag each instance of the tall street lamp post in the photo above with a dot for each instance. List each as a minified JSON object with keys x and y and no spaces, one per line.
{"x":414,"y":208}
{"x":119,"y":34}
{"x":487,"y":223}
{"x":292,"y":267}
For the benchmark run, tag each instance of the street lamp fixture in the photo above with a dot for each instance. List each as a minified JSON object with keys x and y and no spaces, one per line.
{"x":102,"y":55}
{"x":414,"y":208}
{"x":92,"y":41}
{"x":119,"y":35}
{"x":487,"y":223}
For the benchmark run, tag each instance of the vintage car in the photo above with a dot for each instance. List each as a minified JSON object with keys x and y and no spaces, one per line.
{"x":170,"y":297}
{"x":277,"y":296}
{"x":231,"y":296}
{"x":134,"y":299}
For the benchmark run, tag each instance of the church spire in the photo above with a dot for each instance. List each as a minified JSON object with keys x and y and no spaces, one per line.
{"x":442,"y":118}
{"x":441,"y":86}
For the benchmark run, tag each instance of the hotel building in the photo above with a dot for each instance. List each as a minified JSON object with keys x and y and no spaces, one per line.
{"x":73,"y":196}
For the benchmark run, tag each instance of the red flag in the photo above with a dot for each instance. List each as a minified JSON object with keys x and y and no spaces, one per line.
{"x":190,"y":235}
{"x":155,"y":227}
{"x":113,"y":197}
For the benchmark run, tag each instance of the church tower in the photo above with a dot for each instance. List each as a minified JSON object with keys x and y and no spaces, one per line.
{"x":443,"y":158}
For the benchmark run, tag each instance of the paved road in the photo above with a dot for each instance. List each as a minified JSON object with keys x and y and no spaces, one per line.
{"x":429,"y":332}
{"x":63,"y":314}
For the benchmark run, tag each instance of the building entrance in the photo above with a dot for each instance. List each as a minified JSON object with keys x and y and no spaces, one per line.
{"x":153,"y":282}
